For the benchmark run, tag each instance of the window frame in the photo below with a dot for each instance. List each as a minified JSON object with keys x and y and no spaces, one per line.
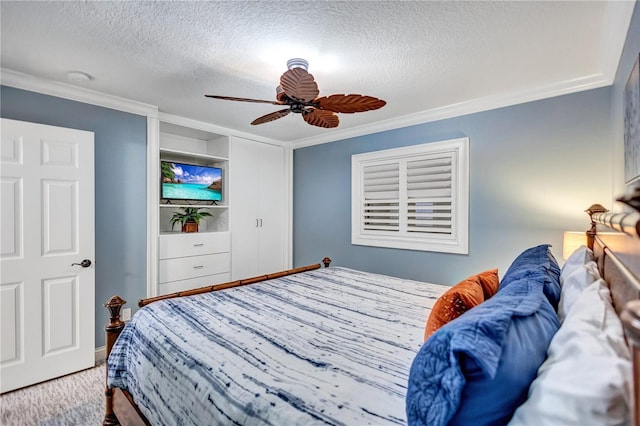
{"x":457,"y":242}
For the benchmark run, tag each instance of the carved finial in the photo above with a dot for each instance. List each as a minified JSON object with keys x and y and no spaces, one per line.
{"x":114,"y":305}
{"x":596,"y":208}
{"x":326,"y":262}
{"x":632,"y":199}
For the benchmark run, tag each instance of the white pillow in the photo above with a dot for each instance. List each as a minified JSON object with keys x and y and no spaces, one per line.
{"x":573,"y":284}
{"x":579,"y":257}
{"x":586,"y":379}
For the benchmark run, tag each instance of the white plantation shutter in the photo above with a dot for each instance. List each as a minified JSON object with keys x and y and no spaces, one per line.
{"x":429,"y":194}
{"x":381,"y":208}
{"x":413,"y":198}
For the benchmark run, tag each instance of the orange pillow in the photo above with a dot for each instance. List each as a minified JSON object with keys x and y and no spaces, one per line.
{"x":460,"y":298}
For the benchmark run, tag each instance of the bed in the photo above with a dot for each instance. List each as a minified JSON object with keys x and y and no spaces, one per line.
{"x":317,"y":345}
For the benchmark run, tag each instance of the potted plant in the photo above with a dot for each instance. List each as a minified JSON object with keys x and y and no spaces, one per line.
{"x":188,"y":218}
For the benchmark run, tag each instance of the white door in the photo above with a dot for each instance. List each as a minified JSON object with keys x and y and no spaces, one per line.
{"x":271,"y":210}
{"x":258,"y":205}
{"x":47,"y":303}
{"x":243,"y":181}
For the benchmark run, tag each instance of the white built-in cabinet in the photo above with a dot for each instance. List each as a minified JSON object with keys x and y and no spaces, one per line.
{"x":259,"y":208}
{"x":191,"y":260}
{"x":249,"y":232}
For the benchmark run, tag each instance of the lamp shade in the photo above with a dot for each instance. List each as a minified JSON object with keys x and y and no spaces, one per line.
{"x":571,"y":241}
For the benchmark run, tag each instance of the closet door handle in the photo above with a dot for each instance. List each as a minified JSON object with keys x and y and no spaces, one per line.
{"x":260,"y":223}
{"x":257,"y":221}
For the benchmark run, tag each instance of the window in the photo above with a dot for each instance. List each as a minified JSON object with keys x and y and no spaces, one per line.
{"x":413,"y":198}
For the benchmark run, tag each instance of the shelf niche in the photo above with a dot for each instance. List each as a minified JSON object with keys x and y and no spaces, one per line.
{"x":193,"y":146}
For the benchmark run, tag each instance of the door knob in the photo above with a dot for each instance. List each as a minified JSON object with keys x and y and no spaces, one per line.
{"x":85,"y":263}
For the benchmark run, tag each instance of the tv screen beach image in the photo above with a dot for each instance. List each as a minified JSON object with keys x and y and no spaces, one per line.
{"x":191,"y":182}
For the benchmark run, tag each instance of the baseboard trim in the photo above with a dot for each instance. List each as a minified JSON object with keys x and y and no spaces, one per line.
{"x":101,"y":354}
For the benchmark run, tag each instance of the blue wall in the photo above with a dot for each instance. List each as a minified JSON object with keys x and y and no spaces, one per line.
{"x":533,"y":172}
{"x":531,"y":168}
{"x":120,"y":188}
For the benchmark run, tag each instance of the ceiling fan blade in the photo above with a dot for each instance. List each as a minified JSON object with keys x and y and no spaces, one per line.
{"x":230,"y":98}
{"x":297,"y":83}
{"x":320,"y":118}
{"x":349,"y":103}
{"x":271,"y":116}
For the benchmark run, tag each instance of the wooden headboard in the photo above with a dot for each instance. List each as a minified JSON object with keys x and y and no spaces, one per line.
{"x":615,"y":241}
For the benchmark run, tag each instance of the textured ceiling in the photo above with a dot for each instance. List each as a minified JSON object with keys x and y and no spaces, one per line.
{"x":426,"y":59}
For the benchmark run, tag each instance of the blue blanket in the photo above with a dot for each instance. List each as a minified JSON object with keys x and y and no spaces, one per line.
{"x":330,"y":346}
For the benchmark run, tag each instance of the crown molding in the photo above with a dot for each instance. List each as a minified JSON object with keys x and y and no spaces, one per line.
{"x":593,"y":81}
{"x":75,"y":93}
{"x":39,"y":85}
{"x":213,"y":128}
{"x":618,"y":15}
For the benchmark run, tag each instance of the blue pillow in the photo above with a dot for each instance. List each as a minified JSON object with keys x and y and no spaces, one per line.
{"x":477,"y":368}
{"x":494,"y":401}
{"x":536,"y":260}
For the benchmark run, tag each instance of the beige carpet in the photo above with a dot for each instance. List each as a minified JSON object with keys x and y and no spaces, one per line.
{"x":76,"y":399}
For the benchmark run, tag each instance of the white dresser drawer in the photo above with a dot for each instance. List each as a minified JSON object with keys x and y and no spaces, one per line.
{"x":194,"y":266}
{"x":193,"y":244}
{"x":182,"y":285}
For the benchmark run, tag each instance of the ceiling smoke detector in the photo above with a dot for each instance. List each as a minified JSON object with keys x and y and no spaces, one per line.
{"x":78,"y":76}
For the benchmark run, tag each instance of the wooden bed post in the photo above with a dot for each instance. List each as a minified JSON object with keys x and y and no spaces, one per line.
{"x":112,"y":331}
{"x":631,"y":320}
{"x":591,"y":233}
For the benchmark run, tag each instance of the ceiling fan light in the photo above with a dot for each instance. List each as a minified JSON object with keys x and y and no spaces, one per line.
{"x":297,"y":63}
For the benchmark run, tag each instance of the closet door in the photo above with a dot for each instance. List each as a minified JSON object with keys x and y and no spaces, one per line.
{"x":244,"y":221}
{"x":258,"y":206}
{"x":271,"y":204}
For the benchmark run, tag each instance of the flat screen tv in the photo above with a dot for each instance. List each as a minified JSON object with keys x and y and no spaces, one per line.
{"x":181,"y":181}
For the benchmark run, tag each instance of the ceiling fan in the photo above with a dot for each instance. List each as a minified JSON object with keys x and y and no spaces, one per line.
{"x":298,"y":91}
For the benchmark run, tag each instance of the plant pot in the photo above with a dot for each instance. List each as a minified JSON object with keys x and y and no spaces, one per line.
{"x":190,"y":227}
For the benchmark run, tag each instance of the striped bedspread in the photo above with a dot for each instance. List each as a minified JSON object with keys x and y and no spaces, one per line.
{"x":331,"y":346}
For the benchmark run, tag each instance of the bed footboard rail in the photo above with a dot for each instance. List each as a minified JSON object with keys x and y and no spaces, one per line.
{"x":238,"y":283}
